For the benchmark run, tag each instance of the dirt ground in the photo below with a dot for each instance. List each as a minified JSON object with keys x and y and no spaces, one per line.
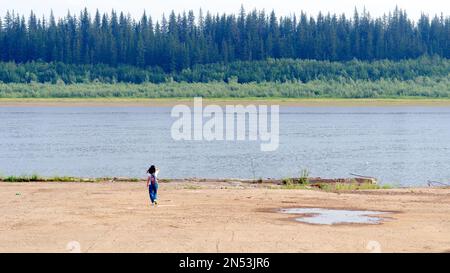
{"x":212,"y":217}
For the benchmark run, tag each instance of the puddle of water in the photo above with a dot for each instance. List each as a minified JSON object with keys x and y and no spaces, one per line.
{"x":321,"y":216}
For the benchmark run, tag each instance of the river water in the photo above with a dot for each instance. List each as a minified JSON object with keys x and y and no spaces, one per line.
{"x":402,"y":146}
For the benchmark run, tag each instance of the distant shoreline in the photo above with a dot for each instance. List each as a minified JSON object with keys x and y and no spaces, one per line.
{"x":168,"y":102}
{"x":319,"y":183}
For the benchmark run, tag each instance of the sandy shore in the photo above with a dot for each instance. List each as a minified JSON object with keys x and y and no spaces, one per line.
{"x":212,"y":217}
{"x":168,"y":102}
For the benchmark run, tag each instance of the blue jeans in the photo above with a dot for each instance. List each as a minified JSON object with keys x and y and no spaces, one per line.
{"x":153,"y":191}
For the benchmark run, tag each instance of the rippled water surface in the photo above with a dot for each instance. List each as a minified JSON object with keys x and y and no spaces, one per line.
{"x":399,"y":145}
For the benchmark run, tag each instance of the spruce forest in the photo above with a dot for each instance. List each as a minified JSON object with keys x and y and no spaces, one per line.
{"x":247,"y":48}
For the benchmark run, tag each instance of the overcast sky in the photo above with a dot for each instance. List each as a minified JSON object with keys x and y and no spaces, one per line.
{"x":282,"y":7}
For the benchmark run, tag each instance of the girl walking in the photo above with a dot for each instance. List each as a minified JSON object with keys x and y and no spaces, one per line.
{"x":152,"y":184}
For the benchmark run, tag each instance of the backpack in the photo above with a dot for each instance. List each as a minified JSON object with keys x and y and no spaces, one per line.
{"x":153,"y":180}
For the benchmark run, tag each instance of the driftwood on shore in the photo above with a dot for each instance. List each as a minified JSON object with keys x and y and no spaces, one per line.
{"x":431,"y":183}
{"x":359,"y":180}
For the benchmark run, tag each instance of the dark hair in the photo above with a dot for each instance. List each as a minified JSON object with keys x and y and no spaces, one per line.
{"x":152,"y":169}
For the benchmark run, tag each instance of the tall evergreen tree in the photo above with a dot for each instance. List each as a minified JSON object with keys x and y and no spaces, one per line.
{"x":180,"y":41}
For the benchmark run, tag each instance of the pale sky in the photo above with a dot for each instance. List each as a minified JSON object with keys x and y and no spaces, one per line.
{"x":282,"y":7}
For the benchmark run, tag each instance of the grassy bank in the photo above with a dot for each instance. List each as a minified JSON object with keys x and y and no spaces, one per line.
{"x":336,"y":187}
{"x":37,"y":178}
{"x":289,"y":184}
{"x":421,"y":87}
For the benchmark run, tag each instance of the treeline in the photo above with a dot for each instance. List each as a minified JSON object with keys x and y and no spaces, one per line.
{"x":271,"y":70}
{"x":184,"y":40}
{"x":290,"y":70}
{"x":430,"y":87}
